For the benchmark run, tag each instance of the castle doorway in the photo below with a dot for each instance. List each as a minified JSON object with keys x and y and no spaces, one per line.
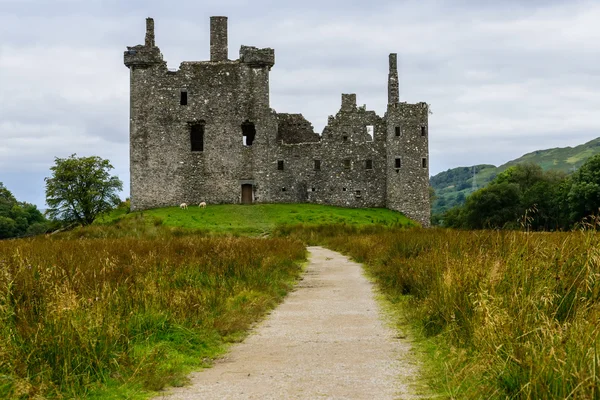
{"x":246,"y":193}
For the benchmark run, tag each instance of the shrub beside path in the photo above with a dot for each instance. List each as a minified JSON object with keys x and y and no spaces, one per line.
{"x":326,"y":340}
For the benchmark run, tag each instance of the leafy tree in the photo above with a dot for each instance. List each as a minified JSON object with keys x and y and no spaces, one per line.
{"x":524,"y":189}
{"x":496,"y":206}
{"x":7,"y":200}
{"x":17,"y":218}
{"x":81,"y":188}
{"x":8,"y":228}
{"x":583,"y":197}
{"x":525,"y":175}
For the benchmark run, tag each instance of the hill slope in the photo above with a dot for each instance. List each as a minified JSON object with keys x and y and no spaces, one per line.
{"x":454,"y":185}
{"x":254,"y":220}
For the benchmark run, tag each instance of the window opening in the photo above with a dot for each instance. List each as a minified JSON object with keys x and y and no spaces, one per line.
{"x":183,"y":99}
{"x":248,"y":132}
{"x":197,"y":137}
{"x":424,"y":162}
{"x":369,"y":164}
{"x":371,"y":133}
{"x":314,"y":190}
{"x":397,"y":131}
{"x":423,"y":131}
{"x":280,"y":165}
{"x":347,"y":164}
{"x":357,"y":193}
{"x":317,"y":165}
{"x":345,"y":138}
{"x":283,"y":189}
{"x":398,"y":163}
{"x":343,"y":189}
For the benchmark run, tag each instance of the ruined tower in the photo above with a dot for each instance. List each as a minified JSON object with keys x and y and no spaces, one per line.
{"x":206,"y":132}
{"x":407,"y":152}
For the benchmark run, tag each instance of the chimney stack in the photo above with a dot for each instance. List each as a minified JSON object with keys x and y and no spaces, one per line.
{"x":218,"y":39}
{"x":150,"y":32}
{"x":393,"y":89}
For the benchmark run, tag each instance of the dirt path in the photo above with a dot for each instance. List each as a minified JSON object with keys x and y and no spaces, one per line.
{"x":326,"y":340}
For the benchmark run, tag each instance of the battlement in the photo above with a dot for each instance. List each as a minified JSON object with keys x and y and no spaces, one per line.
{"x":142,"y":57}
{"x":256,"y":57}
{"x":146,"y":55}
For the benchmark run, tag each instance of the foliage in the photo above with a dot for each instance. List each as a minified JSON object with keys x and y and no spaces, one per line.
{"x":508,"y":315}
{"x":527,"y":195}
{"x":19,"y":218}
{"x":80,"y":315}
{"x":81,"y":188}
{"x":584,"y":194}
{"x":454,"y":185}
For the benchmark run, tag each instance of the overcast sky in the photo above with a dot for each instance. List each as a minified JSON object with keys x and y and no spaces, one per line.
{"x":502,"y":77}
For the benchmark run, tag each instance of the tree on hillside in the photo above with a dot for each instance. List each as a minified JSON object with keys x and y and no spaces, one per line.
{"x":496,"y":206}
{"x":583,"y":197}
{"x":81,"y":188}
{"x":524,"y":189}
{"x":18,"y":218}
{"x":525,"y":175}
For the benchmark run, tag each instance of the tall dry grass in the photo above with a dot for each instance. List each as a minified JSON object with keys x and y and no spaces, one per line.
{"x":518,"y":313}
{"x":76,"y":314}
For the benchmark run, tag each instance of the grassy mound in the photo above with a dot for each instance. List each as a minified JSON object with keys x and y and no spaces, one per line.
{"x":259,"y":219}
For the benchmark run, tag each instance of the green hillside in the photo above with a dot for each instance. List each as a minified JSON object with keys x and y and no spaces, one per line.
{"x":454,"y":185}
{"x":254,"y":220}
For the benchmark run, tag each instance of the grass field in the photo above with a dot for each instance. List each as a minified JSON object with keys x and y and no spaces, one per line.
{"x":506,"y":315}
{"x":118,"y":318}
{"x":260,"y":219}
{"x":133,"y":303}
{"x":136,"y":301}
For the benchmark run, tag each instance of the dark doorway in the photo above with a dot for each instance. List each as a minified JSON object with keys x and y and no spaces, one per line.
{"x":246,"y":193}
{"x":302,"y":196}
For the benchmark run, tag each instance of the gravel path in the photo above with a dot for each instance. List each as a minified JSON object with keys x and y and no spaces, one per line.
{"x":326,"y":341}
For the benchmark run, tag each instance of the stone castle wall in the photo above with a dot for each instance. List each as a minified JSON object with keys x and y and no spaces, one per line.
{"x":246,"y":143}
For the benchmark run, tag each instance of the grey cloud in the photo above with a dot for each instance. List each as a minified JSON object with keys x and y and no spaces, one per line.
{"x":503,"y":78}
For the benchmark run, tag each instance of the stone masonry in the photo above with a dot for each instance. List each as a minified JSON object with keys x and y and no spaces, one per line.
{"x":206,"y":132}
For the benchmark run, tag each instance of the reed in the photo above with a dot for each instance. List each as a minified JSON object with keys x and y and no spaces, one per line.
{"x":131,"y":314}
{"x":514,"y":315}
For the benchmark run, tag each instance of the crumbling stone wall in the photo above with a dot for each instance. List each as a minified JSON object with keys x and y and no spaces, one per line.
{"x":351,"y":164}
{"x":294,"y":128}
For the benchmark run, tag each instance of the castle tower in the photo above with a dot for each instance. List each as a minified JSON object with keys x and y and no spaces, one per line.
{"x":145,"y":63}
{"x":407,"y":153}
{"x":183,"y":122}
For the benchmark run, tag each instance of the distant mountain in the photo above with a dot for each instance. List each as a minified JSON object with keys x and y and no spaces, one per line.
{"x":454,"y":185}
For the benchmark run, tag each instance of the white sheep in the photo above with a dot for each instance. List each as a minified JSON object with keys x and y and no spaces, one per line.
{"x":202,"y":205}
{"x":183,"y":206}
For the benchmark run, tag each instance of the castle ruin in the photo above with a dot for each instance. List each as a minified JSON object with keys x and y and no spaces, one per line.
{"x":206,"y":132}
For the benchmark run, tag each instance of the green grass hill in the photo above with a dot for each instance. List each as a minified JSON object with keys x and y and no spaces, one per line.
{"x":454,"y":185}
{"x":245,"y":220}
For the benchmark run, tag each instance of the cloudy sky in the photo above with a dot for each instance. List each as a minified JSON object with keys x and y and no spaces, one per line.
{"x":503,"y":77}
